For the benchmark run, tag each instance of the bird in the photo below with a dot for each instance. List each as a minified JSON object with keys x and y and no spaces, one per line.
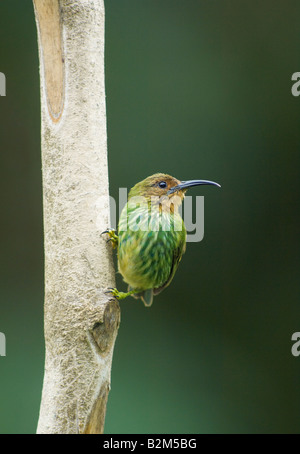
{"x":151,"y":238}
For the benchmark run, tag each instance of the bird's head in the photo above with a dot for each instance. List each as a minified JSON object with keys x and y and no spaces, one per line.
{"x":165,"y":187}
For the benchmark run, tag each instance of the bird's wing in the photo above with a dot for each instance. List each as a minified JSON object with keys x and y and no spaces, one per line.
{"x":177,"y":255}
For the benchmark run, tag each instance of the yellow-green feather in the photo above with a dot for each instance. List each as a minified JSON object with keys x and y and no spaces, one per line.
{"x":151,"y":244}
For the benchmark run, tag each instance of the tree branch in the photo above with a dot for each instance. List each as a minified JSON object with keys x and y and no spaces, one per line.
{"x":81,"y":323}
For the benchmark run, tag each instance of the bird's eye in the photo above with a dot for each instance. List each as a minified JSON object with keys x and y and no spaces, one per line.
{"x":162,"y":184}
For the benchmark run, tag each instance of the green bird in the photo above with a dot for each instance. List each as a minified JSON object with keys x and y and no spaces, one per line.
{"x":151,"y":235}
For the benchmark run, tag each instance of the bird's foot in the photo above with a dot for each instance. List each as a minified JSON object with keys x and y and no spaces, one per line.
{"x":113,"y":237}
{"x":118,"y":295}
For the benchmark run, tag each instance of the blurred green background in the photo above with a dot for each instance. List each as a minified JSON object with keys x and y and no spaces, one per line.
{"x":197,"y":89}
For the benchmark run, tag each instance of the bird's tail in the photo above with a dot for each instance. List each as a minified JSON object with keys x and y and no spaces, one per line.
{"x":146,"y":296}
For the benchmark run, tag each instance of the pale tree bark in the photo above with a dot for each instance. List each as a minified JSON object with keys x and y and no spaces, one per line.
{"x":81,"y":322}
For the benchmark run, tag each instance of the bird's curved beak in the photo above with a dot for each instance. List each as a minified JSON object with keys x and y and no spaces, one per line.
{"x":187,"y":184}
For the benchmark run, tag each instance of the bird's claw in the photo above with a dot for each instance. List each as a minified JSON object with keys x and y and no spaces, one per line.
{"x":115,"y":293}
{"x":113,"y":237}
